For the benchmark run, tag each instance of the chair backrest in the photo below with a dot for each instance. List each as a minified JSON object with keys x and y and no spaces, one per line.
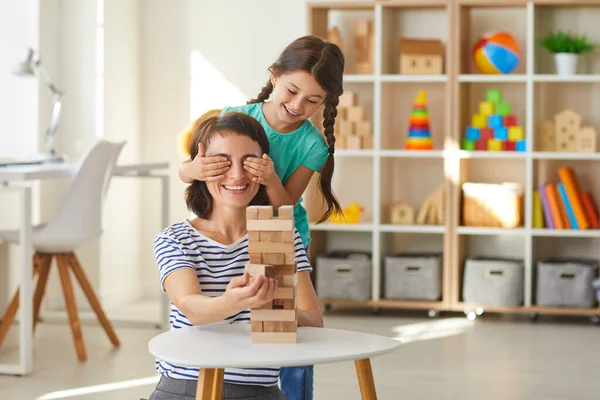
{"x":80,"y":216}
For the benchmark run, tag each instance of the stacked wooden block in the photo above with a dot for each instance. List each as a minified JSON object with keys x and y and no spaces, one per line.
{"x":271,"y":250}
{"x":566,"y":134}
{"x":352,"y":130}
{"x":364,"y":40}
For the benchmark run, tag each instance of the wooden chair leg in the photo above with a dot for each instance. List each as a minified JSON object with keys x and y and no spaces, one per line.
{"x":13,"y":307}
{"x":44,"y":262}
{"x":206,"y":382}
{"x":89,"y":292}
{"x":71,"y":305}
{"x":365,"y":379}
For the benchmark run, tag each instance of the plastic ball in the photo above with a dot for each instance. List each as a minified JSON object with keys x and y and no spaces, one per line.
{"x":496,"y":53}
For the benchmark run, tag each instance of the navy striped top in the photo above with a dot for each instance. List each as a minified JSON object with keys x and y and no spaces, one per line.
{"x":182,"y":246}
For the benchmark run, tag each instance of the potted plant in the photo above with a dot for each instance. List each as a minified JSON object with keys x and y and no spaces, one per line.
{"x":567,"y":47}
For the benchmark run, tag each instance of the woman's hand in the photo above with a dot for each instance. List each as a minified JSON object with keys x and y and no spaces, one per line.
{"x":241,"y":296}
{"x":203,"y":168}
{"x":263,"y":169}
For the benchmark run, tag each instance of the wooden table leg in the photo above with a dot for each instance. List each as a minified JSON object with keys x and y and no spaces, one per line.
{"x":365,"y":379}
{"x":218,"y":384}
{"x":206,"y":378}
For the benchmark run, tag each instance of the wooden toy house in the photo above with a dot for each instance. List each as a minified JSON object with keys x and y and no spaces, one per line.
{"x":420,"y":56}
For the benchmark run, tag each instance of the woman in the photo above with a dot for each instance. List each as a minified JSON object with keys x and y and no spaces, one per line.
{"x":201,"y":262}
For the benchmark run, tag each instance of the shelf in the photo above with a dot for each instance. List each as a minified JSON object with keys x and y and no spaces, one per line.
{"x":464,"y":154}
{"x":587,"y":233}
{"x":412,"y":153}
{"x":566,"y":79}
{"x":355,"y":78}
{"x":550,"y":155}
{"x":386,"y":303}
{"x":414,"y":78}
{"x":530,"y":310}
{"x":492,"y":78}
{"x":353,"y":153}
{"x":325,"y":226}
{"x":390,"y":228}
{"x":475,"y":230}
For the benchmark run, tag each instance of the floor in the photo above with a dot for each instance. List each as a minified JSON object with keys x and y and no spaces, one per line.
{"x":450,"y":358}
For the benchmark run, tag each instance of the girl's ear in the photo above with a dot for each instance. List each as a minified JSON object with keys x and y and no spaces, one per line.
{"x":273,"y":78}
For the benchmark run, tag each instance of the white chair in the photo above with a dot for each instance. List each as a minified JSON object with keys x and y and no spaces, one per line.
{"x":78,"y":220}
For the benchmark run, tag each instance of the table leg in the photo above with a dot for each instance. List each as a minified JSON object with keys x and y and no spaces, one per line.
{"x":206,"y":384}
{"x":218,"y":384}
{"x":365,"y":379}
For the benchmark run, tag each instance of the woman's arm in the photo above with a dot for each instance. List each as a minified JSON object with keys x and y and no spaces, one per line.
{"x":184,"y":291}
{"x":309,"y":311}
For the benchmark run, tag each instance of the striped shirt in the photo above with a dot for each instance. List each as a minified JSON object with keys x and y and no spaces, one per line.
{"x":182,"y":246}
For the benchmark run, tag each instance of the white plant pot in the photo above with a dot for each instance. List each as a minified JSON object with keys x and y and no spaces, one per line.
{"x":566,"y":63}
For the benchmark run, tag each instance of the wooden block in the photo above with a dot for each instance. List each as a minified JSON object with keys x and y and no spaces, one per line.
{"x":270,"y":225}
{"x":285,"y":304}
{"x":354,"y":142}
{"x":273,"y":258}
{"x":334,"y":36}
{"x":256,"y":326}
{"x":367,"y":142}
{"x":269,"y":236}
{"x":340,"y":142}
{"x":346,"y":128}
{"x":261,"y":269}
{"x":586,"y":140}
{"x":363,"y":27}
{"x":267,"y":306}
{"x":547,"y":136}
{"x":364,"y":68}
{"x":272,"y":337}
{"x":286,"y":212}
{"x":252,"y":212}
{"x":253,"y":236}
{"x":273,"y":315}
{"x":265,"y":212}
{"x":347,"y":99}
{"x":356,"y":113}
{"x":363,"y":128}
{"x":270,"y":247}
{"x":290,"y":258}
{"x":279,"y":326}
{"x":285,"y":292}
{"x":255,"y":258}
{"x":286,"y":237}
{"x":289,"y":269}
{"x":287,"y":280}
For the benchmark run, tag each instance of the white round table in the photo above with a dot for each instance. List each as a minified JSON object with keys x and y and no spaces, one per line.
{"x":211,"y":348}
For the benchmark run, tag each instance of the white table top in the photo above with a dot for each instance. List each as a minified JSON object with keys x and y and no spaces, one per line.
{"x":63,"y":170}
{"x":229,"y":346}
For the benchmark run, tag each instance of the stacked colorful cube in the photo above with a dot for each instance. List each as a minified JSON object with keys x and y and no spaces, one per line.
{"x":419,"y":136}
{"x":494,"y":128}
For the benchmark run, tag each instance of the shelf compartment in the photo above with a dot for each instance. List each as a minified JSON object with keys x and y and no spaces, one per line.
{"x":323,"y":17}
{"x":552,"y":17}
{"x":406,"y":22}
{"x":411,"y":154}
{"x":397,"y":104}
{"x":476,"y":18}
{"x":402,"y":181}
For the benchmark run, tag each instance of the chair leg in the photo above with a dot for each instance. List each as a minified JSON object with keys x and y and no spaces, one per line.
{"x":89,"y":292}
{"x":71,"y":305}
{"x":13,"y":307}
{"x":44,"y":262}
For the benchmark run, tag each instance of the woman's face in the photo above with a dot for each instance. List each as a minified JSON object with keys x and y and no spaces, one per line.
{"x":236,"y":189}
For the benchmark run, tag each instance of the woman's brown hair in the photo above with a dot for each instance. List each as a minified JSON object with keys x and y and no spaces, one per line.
{"x":197,"y":197}
{"x":325,"y":62}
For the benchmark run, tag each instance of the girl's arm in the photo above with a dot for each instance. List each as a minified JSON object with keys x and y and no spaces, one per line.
{"x":309,"y":312}
{"x":184,"y":173}
{"x":184,"y":291}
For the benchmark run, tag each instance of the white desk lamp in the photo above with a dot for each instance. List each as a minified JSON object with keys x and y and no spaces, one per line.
{"x":29,"y":66}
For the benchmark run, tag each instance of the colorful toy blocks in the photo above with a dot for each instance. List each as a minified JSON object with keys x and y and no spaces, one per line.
{"x":271,"y":251}
{"x":486,"y":108}
{"x":502,"y":108}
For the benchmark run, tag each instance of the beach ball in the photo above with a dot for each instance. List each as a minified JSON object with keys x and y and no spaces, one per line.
{"x":496,"y":53}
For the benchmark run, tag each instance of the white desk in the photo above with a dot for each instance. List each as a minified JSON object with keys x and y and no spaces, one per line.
{"x":27,"y":173}
{"x":211,"y":348}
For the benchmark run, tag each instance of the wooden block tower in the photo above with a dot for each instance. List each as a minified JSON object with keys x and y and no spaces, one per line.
{"x":271,"y":250}
{"x":364,"y":40}
{"x":352,"y":129}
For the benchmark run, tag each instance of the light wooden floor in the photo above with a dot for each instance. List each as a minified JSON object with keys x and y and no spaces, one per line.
{"x":493,"y":358}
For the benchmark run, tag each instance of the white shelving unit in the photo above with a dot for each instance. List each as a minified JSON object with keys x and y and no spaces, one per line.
{"x":388,"y":173}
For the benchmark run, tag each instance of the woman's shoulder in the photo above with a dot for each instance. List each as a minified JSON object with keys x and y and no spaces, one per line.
{"x":178,"y":231}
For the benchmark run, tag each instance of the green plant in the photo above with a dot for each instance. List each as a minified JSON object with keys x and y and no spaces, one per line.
{"x":566,"y":42}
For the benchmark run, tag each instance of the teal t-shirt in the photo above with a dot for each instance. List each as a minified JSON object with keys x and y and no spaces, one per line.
{"x":304,"y":146}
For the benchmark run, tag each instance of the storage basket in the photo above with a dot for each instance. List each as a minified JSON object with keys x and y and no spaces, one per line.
{"x":494,"y":205}
{"x":413,"y":276}
{"x":566,"y":283}
{"x":494,"y":282}
{"x":344,"y":275}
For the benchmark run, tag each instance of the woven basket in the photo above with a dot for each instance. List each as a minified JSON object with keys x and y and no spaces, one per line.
{"x":492,"y":205}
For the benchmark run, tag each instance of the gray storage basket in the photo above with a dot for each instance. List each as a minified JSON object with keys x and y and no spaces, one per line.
{"x":413,"y":276}
{"x":566,"y":282}
{"x":493,"y":282}
{"x":344,"y":275}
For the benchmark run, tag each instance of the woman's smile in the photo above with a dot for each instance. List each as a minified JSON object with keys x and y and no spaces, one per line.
{"x":235,"y":189}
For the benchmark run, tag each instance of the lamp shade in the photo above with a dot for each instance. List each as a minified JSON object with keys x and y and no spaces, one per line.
{"x":25,"y":66}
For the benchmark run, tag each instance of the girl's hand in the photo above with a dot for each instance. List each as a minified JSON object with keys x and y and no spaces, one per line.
{"x":241,"y":296}
{"x":263,"y":169}
{"x":203,"y":168}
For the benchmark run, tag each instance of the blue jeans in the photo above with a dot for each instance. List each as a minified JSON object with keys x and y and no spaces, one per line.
{"x":297,"y":382}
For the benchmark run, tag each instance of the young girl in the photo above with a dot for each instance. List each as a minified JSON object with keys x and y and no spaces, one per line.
{"x":201,"y":261}
{"x":307,"y":75}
